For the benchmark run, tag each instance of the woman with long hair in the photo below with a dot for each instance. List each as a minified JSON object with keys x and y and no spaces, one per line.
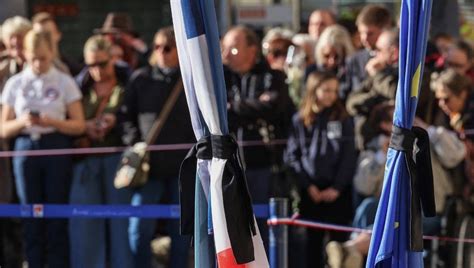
{"x":321,"y":155}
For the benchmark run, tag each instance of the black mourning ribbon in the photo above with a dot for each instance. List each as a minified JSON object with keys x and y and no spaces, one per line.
{"x":421,"y":178}
{"x":237,"y":201}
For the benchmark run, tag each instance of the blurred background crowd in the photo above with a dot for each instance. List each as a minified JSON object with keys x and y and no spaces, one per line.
{"x":313,"y":92}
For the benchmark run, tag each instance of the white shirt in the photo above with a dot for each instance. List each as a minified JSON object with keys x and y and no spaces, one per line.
{"x":48,"y":94}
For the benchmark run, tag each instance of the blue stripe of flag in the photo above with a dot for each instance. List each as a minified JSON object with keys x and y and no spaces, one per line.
{"x":192,"y":18}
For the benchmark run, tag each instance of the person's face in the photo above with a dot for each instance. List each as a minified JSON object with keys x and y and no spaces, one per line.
{"x":369,"y":35}
{"x":384,"y":50}
{"x":443,"y":44}
{"x":49,"y":26}
{"x":236,"y":53}
{"x":327,"y":93}
{"x":39,"y":58}
{"x":276,"y":57}
{"x":318,"y":21}
{"x":458,"y":60}
{"x":449,"y":102}
{"x":14,"y":45}
{"x":100,"y":65}
{"x":330,"y":58}
{"x":165,"y":53}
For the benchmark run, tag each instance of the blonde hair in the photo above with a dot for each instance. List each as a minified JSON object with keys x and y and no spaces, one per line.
{"x":97,"y":43}
{"x":15,"y":26}
{"x":275,"y":33}
{"x":337,"y":37}
{"x":34,"y":39}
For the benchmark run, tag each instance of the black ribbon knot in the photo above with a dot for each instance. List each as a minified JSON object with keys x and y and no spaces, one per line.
{"x":421,"y":178}
{"x":237,"y":202}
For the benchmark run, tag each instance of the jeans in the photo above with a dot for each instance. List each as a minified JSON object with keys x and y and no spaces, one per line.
{"x":44,"y":179}
{"x":93,"y":184}
{"x":141,"y":230}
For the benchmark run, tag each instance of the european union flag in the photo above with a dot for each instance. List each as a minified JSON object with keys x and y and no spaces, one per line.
{"x":397,"y":235}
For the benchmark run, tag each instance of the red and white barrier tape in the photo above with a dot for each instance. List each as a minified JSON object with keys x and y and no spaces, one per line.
{"x":293,"y":221}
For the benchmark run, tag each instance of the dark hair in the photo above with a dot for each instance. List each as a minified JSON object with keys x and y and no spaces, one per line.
{"x":382,"y":112}
{"x":313,"y":83}
{"x":442,"y":36}
{"x":465,"y":47}
{"x":375,"y":15}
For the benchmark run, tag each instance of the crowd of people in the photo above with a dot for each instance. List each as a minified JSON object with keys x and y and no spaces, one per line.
{"x":328,"y":93}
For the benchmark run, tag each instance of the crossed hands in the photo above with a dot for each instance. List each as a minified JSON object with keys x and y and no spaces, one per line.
{"x":328,"y":195}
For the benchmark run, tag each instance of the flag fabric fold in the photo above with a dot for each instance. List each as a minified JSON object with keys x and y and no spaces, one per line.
{"x":397,"y":236}
{"x":236,"y":237}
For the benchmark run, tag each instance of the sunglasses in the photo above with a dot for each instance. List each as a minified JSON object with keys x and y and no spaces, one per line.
{"x":165,"y":48}
{"x":277,"y":53}
{"x":100,"y":64}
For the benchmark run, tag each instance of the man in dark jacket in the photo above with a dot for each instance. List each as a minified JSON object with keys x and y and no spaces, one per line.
{"x":259,"y":109}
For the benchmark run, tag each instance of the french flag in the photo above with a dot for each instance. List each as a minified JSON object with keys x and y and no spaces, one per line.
{"x":230,"y":219}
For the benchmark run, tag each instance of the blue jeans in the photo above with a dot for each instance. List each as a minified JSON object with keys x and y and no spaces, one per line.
{"x":93,"y":184}
{"x":141,"y":231}
{"x":44,"y":179}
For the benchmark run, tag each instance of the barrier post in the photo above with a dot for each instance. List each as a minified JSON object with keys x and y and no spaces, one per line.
{"x":278,"y":239}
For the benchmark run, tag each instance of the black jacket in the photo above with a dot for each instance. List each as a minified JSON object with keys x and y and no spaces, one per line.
{"x":145,"y":96}
{"x":323,"y":154}
{"x":253,"y":119}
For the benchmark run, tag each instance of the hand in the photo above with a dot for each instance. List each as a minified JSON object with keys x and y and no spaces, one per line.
{"x":28,"y":120}
{"x":93,"y":131}
{"x":314,"y":194}
{"x":107,"y":122}
{"x":329,"y":195}
{"x":374,"y":65}
{"x":45,"y":121}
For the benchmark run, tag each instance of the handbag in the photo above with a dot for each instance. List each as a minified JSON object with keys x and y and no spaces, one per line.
{"x":134,"y":164}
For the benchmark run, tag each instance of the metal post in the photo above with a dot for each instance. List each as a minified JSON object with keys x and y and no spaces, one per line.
{"x":278,"y":234}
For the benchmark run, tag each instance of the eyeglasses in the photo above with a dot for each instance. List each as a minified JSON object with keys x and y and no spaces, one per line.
{"x":277,"y":53}
{"x":100,"y":64}
{"x":165,"y":48}
{"x":455,"y":65}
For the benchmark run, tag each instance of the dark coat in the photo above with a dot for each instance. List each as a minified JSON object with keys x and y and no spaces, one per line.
{"x":252,"y":119}
{"x":323,"y":154}
{"x":145,"y":96}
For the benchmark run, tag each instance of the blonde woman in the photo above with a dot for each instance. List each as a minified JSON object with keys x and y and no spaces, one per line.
{"x":332,"y":50}
{"x":42,"y":109}
{"x":94,"y":174}
{"x":321,"y":155}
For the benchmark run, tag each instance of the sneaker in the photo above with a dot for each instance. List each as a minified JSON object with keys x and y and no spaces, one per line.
{"x":335,"y":254}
